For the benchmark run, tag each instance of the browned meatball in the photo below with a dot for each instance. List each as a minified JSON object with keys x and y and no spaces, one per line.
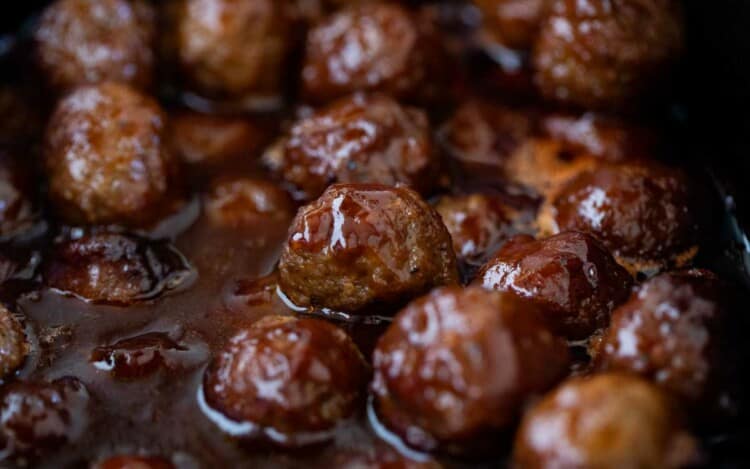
{"x":18,"y":211}
{"x":643,"y":213}
{"x":114,"y":268}
{"x":672,"y":331}
{"x":83,"y":42}
{"x":237,"y":202}
{"x":364,"y":243}
{"x":14,"y":346}
{"x":35,"y":417}
{"x":288,"y":379}
{"x":234,"y":49}
{"x":134,"y":462}
{"x":106,"y":157}
{"x":357,"y":139}
{"x":477,"y":223}
{"x":601,"y":422}
{"x":605,"y":53}
{"x":371,"y":47}
{"x":456,"y":366}
{"x":512,"y":23}
{"x":571,"y":276}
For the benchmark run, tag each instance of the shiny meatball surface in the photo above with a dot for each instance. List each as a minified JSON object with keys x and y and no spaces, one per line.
{"x":233,"y":49}
{"x":14,"y":346}
{"x":456,"y":366}
{"x":289,"y":378}
{"x":370,"y":47}
{"x":642,"y":213}
{"x":512,"y":23}
{"x":106,"y":158}
{"x":605,"y":421}
{"x":571,"y":276}
{"x":36,"y":417}
{"x":358,"y":139}
{"x":364,"y":243}
{"x":114,"y":268}
{"x":83,"y":42}
{"x":672,"y":332}
{"x":238,"y":202}
{"x":605,"y":53}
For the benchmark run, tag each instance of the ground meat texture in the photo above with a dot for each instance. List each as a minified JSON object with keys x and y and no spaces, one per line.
{"x":82,"y":42}
{"x":371,"y":47}
{"x":292,"y":379}
{"x":360,"y":244}
{"x":134,"y":462}
{"x":477,"y":223}
{"x":237,"y":202}
{"x":233,"y":49}
{"x":672,"y":331}
{"x":115,"y":269}
{"x":512,"y":23}
{"x":571,"y":276}
{"x":606,"y":53}
{"x":643,"y":213}
{"x":604,"y":421}
{"x":18,"y":211}
{"x":37,"y":417}
{"x":456,"y":366}
{"x":106,"y":158}
{"x":14,"y":346}
{"x":357,"y":139}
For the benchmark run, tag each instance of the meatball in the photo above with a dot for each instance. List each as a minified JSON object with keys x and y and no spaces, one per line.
{"x":14,"y":346}
{"x":364,"y":243}
{"x":106,"y":158}
{"x":134,"y":462}
{"x":116,"y":269}
{"x":571,"y":276}
{"x":18,"y":211}
{"x":357,"y":139}
{"x":456,"y":366}
{"x":372,"y":47}
{"x":477,"y":223}
{"x":82,"y":42}
{"x":293,"y":379}
{"x":237,"y":202}
{"x":643,"y":213}
{"x":606,"y":53}
{"x":512,"y":23}
{"x":234,"y":49}
{"x":604,"y":421}
{"x":673,"y":332}
{"x":208,"y":141}
{"x":35,"y":417}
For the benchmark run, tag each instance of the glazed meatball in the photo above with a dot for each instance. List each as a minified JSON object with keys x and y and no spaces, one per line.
{"x":672,"y":331}
{"x":605,"y":421}
{"x":477,"y":223}
{"x":512,"y":23}
{"x":643,"y":213}
{"x":14,"y":346}
{"x":571,"y":276}
{"x":106,"y":158}
{"x":234,"y":49}
{"x":364,"y":243}
{"x":371,"y":47}
{"x":237,"y":202}
{"x":456,"y":366}
{"x":116,"y":269}
{"x":35,"y":417}
{"x":18,"y":211}
{"x":82,"y":42}
{"x":357,"y":139}
{"x":606,"y":53}
{"x":134,"y":462}
{"x":293,"y":379}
